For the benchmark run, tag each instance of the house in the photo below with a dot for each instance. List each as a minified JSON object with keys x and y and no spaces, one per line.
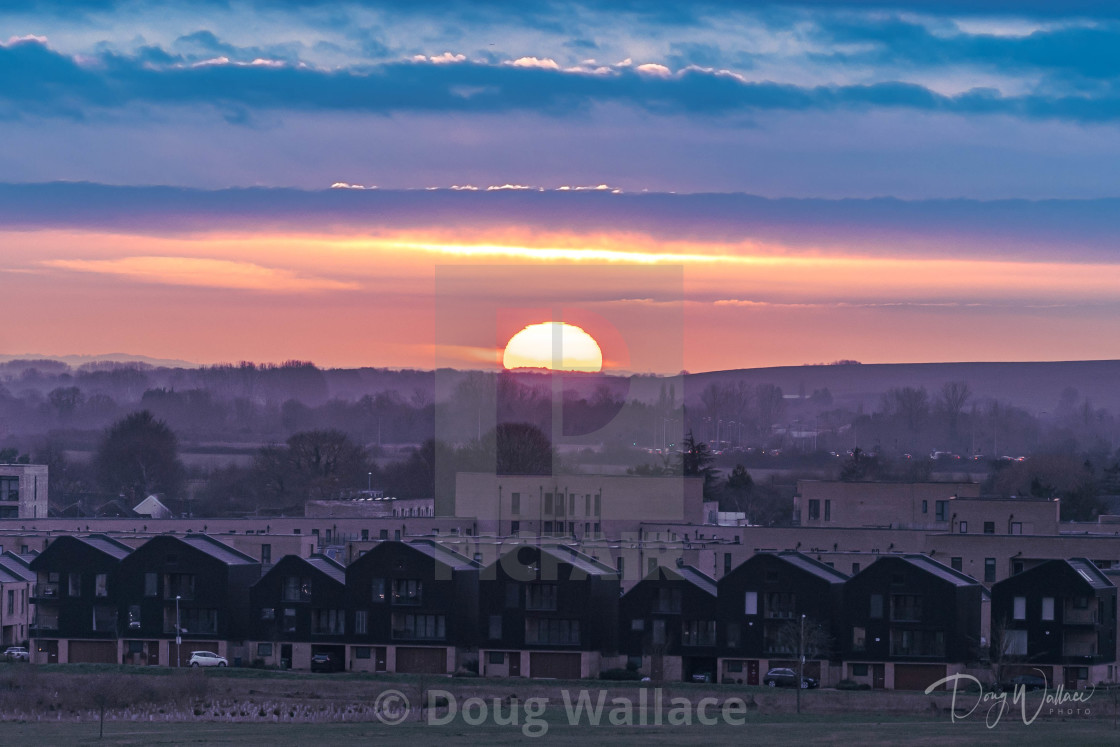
{"x":909,"y":621}
{"x":184,"y":593}
{"x":153,"y":508}
{"x":76,"y":600}
{"x":667,"y":624}
{"x":23,"y":491}
{"x":413,"y":608}
{"x":761,"y":604}
{"x":546,"y":611}
{"x":296,"y":610}
{"x":1058,"y":620}
{"x":17,"y":581}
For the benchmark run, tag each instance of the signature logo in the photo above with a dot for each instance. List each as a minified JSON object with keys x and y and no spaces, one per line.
{"x":994,"y":704}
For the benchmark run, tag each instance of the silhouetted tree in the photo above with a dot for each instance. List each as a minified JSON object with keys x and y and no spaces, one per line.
{"x":696,"y":461}
{"x":859,"y":466}
{"x":139,"y":455}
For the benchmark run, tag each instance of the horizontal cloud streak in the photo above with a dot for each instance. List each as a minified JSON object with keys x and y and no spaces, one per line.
{"x":35,"y":79}
{"x":1083,"y":230}
{"x":202,"y":273}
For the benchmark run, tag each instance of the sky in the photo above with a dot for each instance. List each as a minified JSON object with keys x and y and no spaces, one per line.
{"x":773,"y":183}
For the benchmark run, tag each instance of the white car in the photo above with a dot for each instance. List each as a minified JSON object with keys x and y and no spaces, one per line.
{"x":207,"y":659}
{"x":17,"y":653}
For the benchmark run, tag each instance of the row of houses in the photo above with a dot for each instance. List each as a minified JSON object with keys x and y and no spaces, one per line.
{"x":548,"y":610}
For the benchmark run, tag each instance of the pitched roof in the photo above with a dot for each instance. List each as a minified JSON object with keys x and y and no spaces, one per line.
{"x":16,"y":565}
{"x":585,"y":563}
{"x":442,"y":554}
{"x":107,"y":545}
{"x":942,"y":571}
{"x":215,"y":549}
{"x":332,"y":568}
{"x":688,"y":574}
{"x":1089,"y":571}
{"x":813,"y":566}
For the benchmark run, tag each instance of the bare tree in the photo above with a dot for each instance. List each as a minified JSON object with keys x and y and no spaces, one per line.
{"x":954,"y":396}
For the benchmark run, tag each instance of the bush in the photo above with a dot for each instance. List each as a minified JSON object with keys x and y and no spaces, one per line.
{"x":852,"y":685}
{"x":620,"y":674}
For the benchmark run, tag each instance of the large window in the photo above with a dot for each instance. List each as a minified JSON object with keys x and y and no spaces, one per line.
{"x":377,"y":589}
{"x":876,"y":612}
{"x":906,"y":607}
{"x":75,"y":586}
{"x":780,"y":605}
{"x":668,"y":601}
{"x":328,"y":622}
{"x":989,"y":569}
{"x":407,"y":626}
{"x":178,"y":585}
{"x":917,"y":643}
{"x":541,"y":597}
{"x":361,"y":622}
{"x":105,"y":618}
{"x":551,"y":632}
{"x":407,"y":591}
{"x":101,"y":585}
{"x":1048,"y":608}
{"x":941,"y":509}
{"x":1019,"y":608}
{"x":296,"y":589}
{"x":859,"y":638}
{"x":814,"y":509}
{"x":515,"y":503}
{"x":751,"y":603}
{"x":698,"y":632}
{"x":151,"y":584}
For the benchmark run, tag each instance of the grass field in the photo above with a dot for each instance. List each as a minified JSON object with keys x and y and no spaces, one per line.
{"x":808,"y":730}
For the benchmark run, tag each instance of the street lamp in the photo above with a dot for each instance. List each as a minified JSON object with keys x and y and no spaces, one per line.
{"x":178,"y":634}
{"x":801,"y":662}
{"x":369,"y":483}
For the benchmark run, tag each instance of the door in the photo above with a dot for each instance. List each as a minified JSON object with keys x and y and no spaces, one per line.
{"x":878,"y":676}
{"x":49,"y":650}
{"x":285,"y":656}
{"x":514,"y":663}
{"x":554,"y":666}
{"x":752,"y":672}
{"x":657,"y":667}
{"x":380,"y":659}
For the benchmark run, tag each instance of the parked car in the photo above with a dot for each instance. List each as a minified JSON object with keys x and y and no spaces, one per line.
{"x":207,"y":659}
{"x":1027,"y":682}
{"x":782,"y":677}
{"x":16,"y":653}
{"x":323,"y":663}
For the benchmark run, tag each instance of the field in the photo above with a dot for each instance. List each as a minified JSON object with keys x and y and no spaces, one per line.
{"x":60,"y":705}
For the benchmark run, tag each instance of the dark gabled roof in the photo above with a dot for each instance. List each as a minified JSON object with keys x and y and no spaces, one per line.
{"x":942,"y":571}
{"x":332,"y":568}
{"x":1089,"y":571}
{"x":7,"y":576}
{"x":107,"y":545}
{"x":685,"y":573}
{"x":215,"y":549}
{"x":813,"y":566}
{"x":585,"y":563}
{"x":443,"y":555}
{"x":17,"y":565}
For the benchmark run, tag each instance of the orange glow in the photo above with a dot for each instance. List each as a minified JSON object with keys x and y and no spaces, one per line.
{"x":555,"y":346}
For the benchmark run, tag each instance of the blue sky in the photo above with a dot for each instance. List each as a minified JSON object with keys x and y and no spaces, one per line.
{"x":870,"y":180}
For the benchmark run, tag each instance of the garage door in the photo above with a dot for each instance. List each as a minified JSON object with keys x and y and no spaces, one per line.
{"x":93,"y":652}
{"x":559,"y":666}
{"x":422,"y":660}
{"x":917,"y":676}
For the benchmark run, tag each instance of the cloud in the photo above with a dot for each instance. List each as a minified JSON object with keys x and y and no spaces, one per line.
{"x":202,"y":272}
{"x":34,"y":78}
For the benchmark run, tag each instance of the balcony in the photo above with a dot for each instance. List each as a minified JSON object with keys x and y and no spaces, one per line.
{"x":1079,"y":616}
{"x":1079,"y":648}
{"x":45,"y":591}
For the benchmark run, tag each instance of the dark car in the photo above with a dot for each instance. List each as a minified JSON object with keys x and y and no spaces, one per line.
{"x":323,"y":663}
{"x":782,"y":677}
{"x":1028,"y":682}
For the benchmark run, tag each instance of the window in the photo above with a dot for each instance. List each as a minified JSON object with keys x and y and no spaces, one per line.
{"x":941,"y":509}
{"x":328,"y":622}
{"x":698,"y":633}
{"x":551,"y":632}
{"x":667,"y":601}
{"x":289,"y":623}
{"x":548,"y":503}
{"x":377,"y":590}
{"x":1016,"y":567}
{"x":855,"y":568}
{"x":571,"y":504}
{"x":548,"y":527}
{"x":598,"y":511}
{"x":751,"y":606}
{"x":828,"y":510}
{"x":514,"y":527}
{"x":151,"y":583}
{"x":362,"y":652}
{"x":859,"y":670}
{"x":133,"y":617}
{"x":383,"y":534}
{"x":75,"y":585}
{"x":266,"y":553}
{"x":268,"y":613}
{"x":964,"y":527}
{"x":105,"y":618}
{"x":859,"y":639}
{"x":11,"y":601}
{"x":1016,"y":527}
{"x":1048,"y":608}
{"x":1015,"y":642}
{"x":989,"y":569}
{"x":515,"y":503}
{"x":780,"y":605}
{"x":540,"y":597}
{"x":178,"y":585}
{"x":296,"y":589}
{"x":925,"y":507}
{"x":726,"y":563}
{"x":496,"y":657}
{"x":876,"y":607}
{"x":906,"y":607}
{"x":814,"y":509}
{"x":637,"y":625}
{"x":264,"y":649}
{"x":651,"y":565}
{"x":734,"y":635}
{"x":989,"y":527}
{"x":419,"y":627}
{"x":397,"y":535}
{"x":407,"y":591}
{"x":495,"y":627}
{"x":101,"y":585}
{"x":361,"y":622}
{"x":587,"y":504}
{"x":1019,"y":608}
{"x":957,"y":564}
{"x":365,"y":535}
{"x":659,"y":633}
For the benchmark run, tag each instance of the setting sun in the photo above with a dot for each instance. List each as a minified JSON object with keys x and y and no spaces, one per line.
{"x":553,"y":345}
